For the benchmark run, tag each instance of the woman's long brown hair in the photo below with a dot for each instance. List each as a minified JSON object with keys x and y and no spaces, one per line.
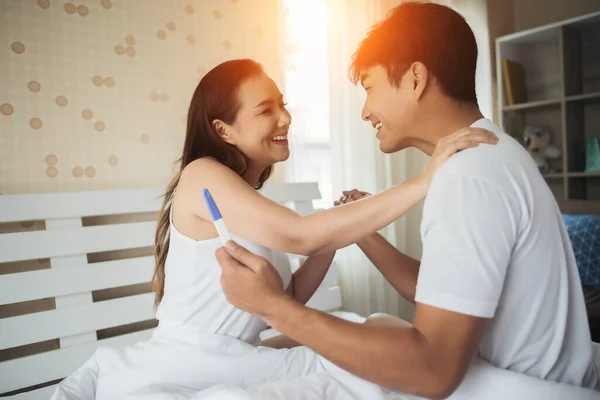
{"x":215,"y":97}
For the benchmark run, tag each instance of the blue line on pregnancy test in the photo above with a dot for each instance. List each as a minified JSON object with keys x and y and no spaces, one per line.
{"x":217,"y":218}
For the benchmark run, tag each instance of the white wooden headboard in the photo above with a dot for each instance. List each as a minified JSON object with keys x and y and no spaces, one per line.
{"x":70,"y":279}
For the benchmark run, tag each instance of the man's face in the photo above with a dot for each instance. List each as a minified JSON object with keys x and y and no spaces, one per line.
{"x":391,"y":110}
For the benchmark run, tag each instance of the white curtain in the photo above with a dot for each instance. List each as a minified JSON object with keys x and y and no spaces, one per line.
{"x":356,"y":160}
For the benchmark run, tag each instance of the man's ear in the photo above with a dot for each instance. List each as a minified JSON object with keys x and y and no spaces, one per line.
{"x":223,"y":130}
{"x":420,"y":78}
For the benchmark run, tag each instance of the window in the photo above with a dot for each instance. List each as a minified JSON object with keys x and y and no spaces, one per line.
{"x":307,"y":95}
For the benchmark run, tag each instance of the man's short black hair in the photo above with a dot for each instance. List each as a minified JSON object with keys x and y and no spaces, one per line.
{"x":433,"y":34}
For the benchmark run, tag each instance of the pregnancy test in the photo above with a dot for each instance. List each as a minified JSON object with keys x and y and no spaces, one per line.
{"x":217,"y":218}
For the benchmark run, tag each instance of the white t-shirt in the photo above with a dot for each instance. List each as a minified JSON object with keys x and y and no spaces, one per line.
{"x":495,"y":246}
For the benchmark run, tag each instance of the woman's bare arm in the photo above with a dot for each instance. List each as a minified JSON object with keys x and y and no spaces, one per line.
{"x":252,"y":216}
{"x":307,"y":279}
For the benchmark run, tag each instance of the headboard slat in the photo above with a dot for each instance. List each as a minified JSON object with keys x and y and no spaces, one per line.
{"x":56,"y":364}
{"x":304,"y":207}
{"x":285,"y":192}
{"x":64,"y":242}
{"x":42,"y":206}
{"x":74,"y":299}
{"x":326,"y":300}
{"x":46,"y":325}
{"x":46,"y":283}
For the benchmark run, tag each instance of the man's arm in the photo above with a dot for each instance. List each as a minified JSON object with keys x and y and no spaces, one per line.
{"x":400,"y":270}
{"x":428,"y":359}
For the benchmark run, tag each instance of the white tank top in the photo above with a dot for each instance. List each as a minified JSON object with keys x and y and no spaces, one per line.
{"x":193,"y":300}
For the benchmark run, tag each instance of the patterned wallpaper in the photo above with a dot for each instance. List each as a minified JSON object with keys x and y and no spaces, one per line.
{"x":94,"y":93}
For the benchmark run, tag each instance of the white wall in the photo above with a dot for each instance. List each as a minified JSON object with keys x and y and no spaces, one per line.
{"x":531,"y":13}
{"x":96,"y":97}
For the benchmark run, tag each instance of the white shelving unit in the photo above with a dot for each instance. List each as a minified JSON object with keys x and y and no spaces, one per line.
{"x":561,"y":62}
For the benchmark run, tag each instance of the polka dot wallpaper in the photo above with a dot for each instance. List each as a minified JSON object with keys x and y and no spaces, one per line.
{"x":95,"y":92}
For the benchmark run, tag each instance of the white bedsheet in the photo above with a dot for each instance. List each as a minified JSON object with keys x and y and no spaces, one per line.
{"x":227,"y":369}
{"x":166,"y":366}
{"x":482,"y":382}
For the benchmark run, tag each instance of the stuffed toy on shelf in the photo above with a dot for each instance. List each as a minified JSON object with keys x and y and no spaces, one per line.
{"x":537,"y":142}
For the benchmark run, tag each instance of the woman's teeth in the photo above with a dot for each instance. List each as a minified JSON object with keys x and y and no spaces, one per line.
{"x":280,"y":137}
{"x":378,"y":126}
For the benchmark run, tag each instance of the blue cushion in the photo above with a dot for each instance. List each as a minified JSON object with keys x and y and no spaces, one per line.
{"x":584,"y":232}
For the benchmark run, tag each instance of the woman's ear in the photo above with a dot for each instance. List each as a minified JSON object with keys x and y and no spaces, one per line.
{"x":223,"y":130}
{"x":420,"y":78}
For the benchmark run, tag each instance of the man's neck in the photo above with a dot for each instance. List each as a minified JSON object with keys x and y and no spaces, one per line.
{"x":445,"y":120}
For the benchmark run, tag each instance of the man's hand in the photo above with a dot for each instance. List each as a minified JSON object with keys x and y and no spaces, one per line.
{"x":250,"y":282}
{"x":349,"y":196}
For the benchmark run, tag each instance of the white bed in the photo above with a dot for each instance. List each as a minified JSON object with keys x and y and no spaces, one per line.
{"x":70,"y":280}
{"x":78,"y":316}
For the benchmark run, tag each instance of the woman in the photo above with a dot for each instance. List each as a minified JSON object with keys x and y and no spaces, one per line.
{"x":237,"y":130}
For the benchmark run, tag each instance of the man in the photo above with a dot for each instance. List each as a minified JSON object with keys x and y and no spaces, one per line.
{"x":497,"y":275}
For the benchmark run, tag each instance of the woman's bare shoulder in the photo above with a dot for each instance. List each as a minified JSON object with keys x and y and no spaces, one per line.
{"x":205,"y":170}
